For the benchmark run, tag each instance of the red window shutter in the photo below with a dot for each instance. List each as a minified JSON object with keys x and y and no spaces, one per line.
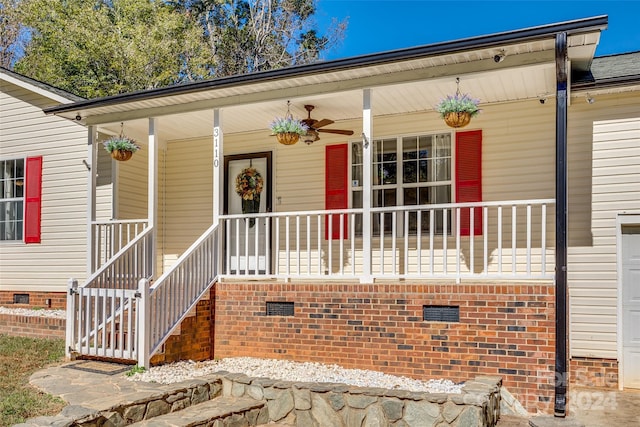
{"x":336,"y":187}
{"x":33,"y":199}
{"x":469,"y":178}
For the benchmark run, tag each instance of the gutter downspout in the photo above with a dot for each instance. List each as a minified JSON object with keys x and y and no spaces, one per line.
{"x":561,"y":375}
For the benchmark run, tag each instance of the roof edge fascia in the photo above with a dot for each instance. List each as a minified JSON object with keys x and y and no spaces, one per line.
{"x":611,"y":82}
{"x":578,"y":26}
{"x":39,"y":87}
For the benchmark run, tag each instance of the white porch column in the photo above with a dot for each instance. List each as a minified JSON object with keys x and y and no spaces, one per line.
{"x":367,"y":159}
{"x":92,"y":165}
{"x":218,"y":181}
{"x":218,"y":169}
{"x":152,"y":201}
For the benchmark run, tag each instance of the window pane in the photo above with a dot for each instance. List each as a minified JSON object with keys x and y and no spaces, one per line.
{"x":356,"y":153}
{"x":389,"y":154}
{"x":443,"y":145}
{"x":356,"y":176}
{"x":11,"y":220}
{"x":356,"y":197}
{"x":409,"y":171}
{"x":425,"y":146}
{"x":386,"y":174}
{"x":409,"y":148}
{"x":410,"y":196}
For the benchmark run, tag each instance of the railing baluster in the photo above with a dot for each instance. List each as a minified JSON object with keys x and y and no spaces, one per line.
{"x":287,"y":245}
{"x":246,"y":246}
{"x":298,"y":243}
{"x":394,"y":225}
{"x":458,"y":243}
{"x":406,"y":242}
{"x":514,"y":237}
{"x":341,"y":260}
{"x":445,"y":239}
{"x":227,"y":228}
{"x":529,"y":240}
{"x":319,"y":217}
{"x":353,"y":244}
{"x":381,"y":229}
{"x":485,"y":234}
{"x":309,"y":244}
{"x":267,"y":236}
{"x":499,"y":239}
{"x":472,"y":226}
{"x":330,"y":245}
{"x":419,"y":241}
{"x":277,"y":239}
{"x":237,"y":227}
{"x":543,"y":241}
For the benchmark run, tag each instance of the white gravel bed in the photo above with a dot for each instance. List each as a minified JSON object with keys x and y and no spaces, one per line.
{"x":292,"y":371}
{"x":58,"y":314}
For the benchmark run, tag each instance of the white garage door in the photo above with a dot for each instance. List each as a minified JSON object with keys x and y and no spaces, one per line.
{"x":631,"y":305}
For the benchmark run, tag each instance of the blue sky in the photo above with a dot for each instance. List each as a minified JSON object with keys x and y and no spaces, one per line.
{"x":380,"y":25}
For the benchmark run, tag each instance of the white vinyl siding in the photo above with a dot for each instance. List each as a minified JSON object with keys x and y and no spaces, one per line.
{"x":604,"y":167}
{"x":26,"y":131}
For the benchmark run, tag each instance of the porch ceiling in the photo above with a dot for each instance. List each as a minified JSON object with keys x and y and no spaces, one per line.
{"x":403,"y":81}
{"x":505,"y":85}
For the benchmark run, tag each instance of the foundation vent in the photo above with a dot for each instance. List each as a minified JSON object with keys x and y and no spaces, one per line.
{"x":280,"y":309}
{"x":441,"y":313}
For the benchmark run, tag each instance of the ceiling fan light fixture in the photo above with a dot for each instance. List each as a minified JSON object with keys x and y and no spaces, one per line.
{"x":311,"y":137}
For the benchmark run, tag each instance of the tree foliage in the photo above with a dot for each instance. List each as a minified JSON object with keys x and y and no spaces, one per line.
{"x":11,"y":31}
{"x":99,"y":48}
{"x":103,"y":47}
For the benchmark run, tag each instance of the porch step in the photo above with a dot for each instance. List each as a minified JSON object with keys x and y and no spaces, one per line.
{"x":228,"y":410}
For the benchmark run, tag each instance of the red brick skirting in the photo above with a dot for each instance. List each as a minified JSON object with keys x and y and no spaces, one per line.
{"x":32,"y":326}
{"x":590,"y":372}
{"x":36,"y":299}
{"x":504,"y":329}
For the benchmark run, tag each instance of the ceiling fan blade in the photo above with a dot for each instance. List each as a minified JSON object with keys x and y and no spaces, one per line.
{"x":338,"y":131}
{"x":321,"y":123}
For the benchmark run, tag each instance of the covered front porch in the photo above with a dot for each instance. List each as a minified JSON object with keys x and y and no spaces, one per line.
{"x":403,"y":199}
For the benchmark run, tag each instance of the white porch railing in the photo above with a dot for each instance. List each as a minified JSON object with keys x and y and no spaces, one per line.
{"x":111,"y":236}
{"x":101,"y":314}
{"x":168,"y":301}
{"x":504,"y":240}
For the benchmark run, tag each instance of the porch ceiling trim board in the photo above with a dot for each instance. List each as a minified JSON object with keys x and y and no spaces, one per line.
{"x":304,"y":87}
{"x":580,"y":30}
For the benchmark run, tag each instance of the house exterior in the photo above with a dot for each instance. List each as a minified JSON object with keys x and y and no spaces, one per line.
{"x":43,"y":194}
{"x":407,"y":247}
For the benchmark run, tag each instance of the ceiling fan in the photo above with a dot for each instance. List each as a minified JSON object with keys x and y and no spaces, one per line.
{"x":315,"y":125}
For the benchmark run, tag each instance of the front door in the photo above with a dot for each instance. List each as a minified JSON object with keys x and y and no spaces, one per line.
{"x":248,"y":191}
{"x":631,"y":306}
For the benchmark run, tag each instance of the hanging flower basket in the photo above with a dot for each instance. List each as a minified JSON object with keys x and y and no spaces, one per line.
{"x":288,"y":138}
{"x":121,"y":147}
{"x":287,"y":129}
{"x":457,"y":120}
{"x":121,"y":155}
{"x":457,"y":110}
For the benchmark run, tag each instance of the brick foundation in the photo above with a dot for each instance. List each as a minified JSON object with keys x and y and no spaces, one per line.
{"x":505,"y":330}
{"x":36,"y":299}
{"x":32,"y":326}
{"x":591,"y":372}
{"x":194,"y":340}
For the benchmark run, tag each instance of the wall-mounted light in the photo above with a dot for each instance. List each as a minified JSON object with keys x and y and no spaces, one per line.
{"x":542,"y":99}
{"x":78,"y":117}
{"x":499,"y":57}
{"x":590,"y":99}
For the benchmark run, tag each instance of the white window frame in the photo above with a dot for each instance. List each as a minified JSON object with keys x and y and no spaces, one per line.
{"x":16,"y":199}
{"x":400,"y":185}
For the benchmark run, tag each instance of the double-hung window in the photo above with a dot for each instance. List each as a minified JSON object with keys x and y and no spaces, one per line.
{"x":407,"y":170}
{"x":12,"y":180}
{"x":20,"y":199}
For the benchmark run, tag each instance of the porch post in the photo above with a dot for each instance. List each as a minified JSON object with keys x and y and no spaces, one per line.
{"x":152,"y":202}
{"x":367,"y":158}
{"x":92,"y":166}
{"x":561,"y":375}
{"x":218,"y":180}
{"x":218,"y":177}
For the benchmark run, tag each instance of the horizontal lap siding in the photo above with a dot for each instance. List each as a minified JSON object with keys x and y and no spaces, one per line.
{"x":26,"y":131}
{"x":604,"y":139}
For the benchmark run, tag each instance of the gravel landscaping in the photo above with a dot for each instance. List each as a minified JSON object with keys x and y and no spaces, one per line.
{"x":57,"y":314}
{"x":292,"y":371}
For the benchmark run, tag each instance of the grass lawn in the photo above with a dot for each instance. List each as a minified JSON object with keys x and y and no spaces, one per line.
{"x":19,"y":358}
